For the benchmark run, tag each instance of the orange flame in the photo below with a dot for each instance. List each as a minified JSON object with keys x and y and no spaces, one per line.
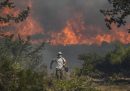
{"x":26,"y":28}
{"x":8,"y":11}
{"x":74,"y":33}
{"x":29,"y":28}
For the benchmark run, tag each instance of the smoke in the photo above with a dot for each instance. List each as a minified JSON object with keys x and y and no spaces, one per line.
{"x":76,"y":22}
{"x":68,"y":22}
{"x":53,"y":15}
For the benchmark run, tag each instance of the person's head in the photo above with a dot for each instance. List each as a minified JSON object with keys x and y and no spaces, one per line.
{"x":59,"y":54}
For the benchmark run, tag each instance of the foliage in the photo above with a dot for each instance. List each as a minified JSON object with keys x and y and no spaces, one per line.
{"x":14,"y":74}
{"x":10,"y":17}
{"x":116,"y":56}
{"x":118,"y":13}
{"x":23,"y":80}
{"x":89,"y":63}
{"x":114,"y":62}
{"x":18,"y":57}
{"x":74,"y":84}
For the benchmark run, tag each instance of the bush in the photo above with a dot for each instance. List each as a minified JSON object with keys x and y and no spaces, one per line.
{"x":114,"y":62}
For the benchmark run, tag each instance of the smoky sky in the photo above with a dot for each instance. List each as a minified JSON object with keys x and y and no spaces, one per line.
{"x":53,"y":14}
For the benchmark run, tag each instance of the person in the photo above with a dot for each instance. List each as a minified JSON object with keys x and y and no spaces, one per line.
{"x":61,"y":65}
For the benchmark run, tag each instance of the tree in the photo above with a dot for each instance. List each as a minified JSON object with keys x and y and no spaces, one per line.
{"x":89,"y":63}
{"x":10,"y":17}
{"x":18,"y":57}
{"x":117,"y":55}
{"x":117,"y":14}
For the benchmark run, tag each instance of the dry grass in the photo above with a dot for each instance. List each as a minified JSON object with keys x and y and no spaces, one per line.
{"x":114,"y":87}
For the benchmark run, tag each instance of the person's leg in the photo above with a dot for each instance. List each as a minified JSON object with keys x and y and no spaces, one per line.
{"x":61,"y":74}
{"x":57,"y":75}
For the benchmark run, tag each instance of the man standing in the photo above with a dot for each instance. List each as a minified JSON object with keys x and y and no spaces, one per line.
{"x":61,"y":63}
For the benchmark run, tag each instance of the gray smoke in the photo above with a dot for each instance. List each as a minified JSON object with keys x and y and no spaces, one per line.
{"x":53,"y":14}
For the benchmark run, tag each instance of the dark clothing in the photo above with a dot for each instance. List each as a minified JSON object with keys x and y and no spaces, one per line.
{"x":59,"y":73}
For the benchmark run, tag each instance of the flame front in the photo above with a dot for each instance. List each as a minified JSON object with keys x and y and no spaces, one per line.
{"x":75,"y":32}
{"x":69,"y":35}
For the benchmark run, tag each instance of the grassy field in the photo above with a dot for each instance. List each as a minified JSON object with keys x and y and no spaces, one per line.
{"x":114,"y":87}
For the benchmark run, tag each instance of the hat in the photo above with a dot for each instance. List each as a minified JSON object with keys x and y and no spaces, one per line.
{"x":59,"y":53}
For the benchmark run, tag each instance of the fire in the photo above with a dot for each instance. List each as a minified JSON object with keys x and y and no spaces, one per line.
{"x":8,"y":11}
{"x":120,"y":34}
{"x":74,"y":33}
{"x":3,"y":24}
{"x":104,"y":38}
{"x":69,"y":35}
{"x":29,"y":27}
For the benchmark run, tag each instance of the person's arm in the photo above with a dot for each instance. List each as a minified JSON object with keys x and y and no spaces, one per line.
{"x":65,"y":62}
{"x":65,"y":66}
{"x":52,"y":63}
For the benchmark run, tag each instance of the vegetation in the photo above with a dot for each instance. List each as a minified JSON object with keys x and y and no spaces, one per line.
{"x":115,"y":63}
{"x":10,"y":17}
{"x":15,"y":75}
{"x":19,"y":57}
{"x":117,"y":14}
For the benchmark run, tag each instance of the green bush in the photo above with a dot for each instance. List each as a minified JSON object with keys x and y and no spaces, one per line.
{"x":74,"y":84}
{"x":115,"y":62}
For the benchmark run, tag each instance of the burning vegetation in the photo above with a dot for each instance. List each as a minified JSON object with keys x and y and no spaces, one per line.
{"x":76,"y":31}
